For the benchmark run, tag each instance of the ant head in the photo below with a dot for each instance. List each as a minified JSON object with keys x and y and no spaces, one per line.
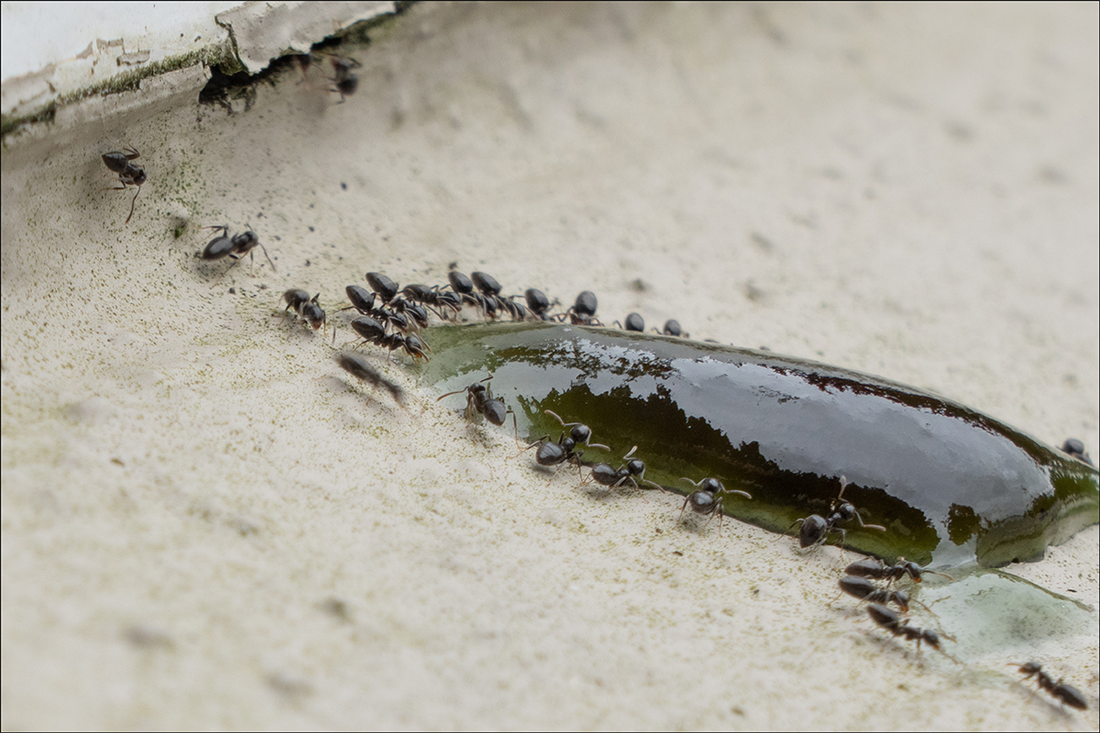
{"x":635,"y":467}
{"x":246,"y":241}
{"x":580,"y":433}
{"x":911,"y":568}
{"x":137,"y":177}
{"x":313,"y":314}
{"x":712,"y":485}
{"x":846,"y":511}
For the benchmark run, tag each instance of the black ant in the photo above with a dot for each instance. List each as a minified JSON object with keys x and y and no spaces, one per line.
{"x":463,"y":287}
{"x":129,"y":174}
{"x":517,"y":311}
{"x":633,"y":471}
{"x":357,"y":366}
{"x":583,"y":312}
{"x":867,"y":591}
{"x":345,"y":81}
{"x":1076,"y":448}
{"x":371,"y":330}
{"x":537,"y":303}
{"x":490,"y":300}
{"x":417,"y":313}
{"x":384,"y":288}
{"x":1067,"y":694}
{"x":816,"y":529}
{"x":672,"y":328}
{"x":893,"y":623}
{"x":633,"y":322}
{"x":480,"y":401}
{"x":386,"y":291}
{"x":874,"y":568}
{"x":362,"y":300}
{"x":234,"y":247}
{"x":441,"y":302}
{"x":707,"y":499}
{"x":307,"y":308}
{"x":566,"y":449}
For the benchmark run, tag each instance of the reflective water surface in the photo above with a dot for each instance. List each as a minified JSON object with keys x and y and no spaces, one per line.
{"x":950,"y":484}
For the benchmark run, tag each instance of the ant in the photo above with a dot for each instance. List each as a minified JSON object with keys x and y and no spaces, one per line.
{"x":362,"y":300}
{"x":416,"y":312}
{"x":706,"y":499}
{"x":490,"y":299}
{"x":874,"y":568}
{"x":1076,"y":448}
{"x":634,"y":322}
{"x":480,"y":401}
{"x":517,"y":311}
{"x":816,"y":529}
{"x":890,"y":621}
{"x":671,"y":328}
{"x":384,"y":288}
{"x":345,"y":81}
{"x":129,"y":174}
{"x":537,"y":303}
{"x":865,"y":590}
{"x":463,"y":287}
{"x":565,"y":450}
{"x":433,"y":298}
{"x":234,"y":247}
{"x":307,"y":308}
{"x":1067,"y":694}
{"x":357,"y":366}
{"x":605,"y":475}
{"x":371,"y":330}
{"x":583,"y":312}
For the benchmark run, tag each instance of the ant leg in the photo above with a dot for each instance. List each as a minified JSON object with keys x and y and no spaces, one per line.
{"x":684,"y":507}
{"x":721,"y":515}
{"x":794,"y":523}
{"x":132,"y":202}
{"x":541,"y":440}
{"x":515,"y":427}
{"x":632,"y":483}
{"x":236,"y":259}
{"x":270,"y":262}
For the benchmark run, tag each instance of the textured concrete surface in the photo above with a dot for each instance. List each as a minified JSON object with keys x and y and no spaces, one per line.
{"x":205,"y":524}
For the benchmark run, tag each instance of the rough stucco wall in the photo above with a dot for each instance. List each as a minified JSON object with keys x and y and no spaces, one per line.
{"x":204,"y":525}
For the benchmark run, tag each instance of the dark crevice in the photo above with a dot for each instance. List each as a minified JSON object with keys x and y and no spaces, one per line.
{"x":225,"y":88}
